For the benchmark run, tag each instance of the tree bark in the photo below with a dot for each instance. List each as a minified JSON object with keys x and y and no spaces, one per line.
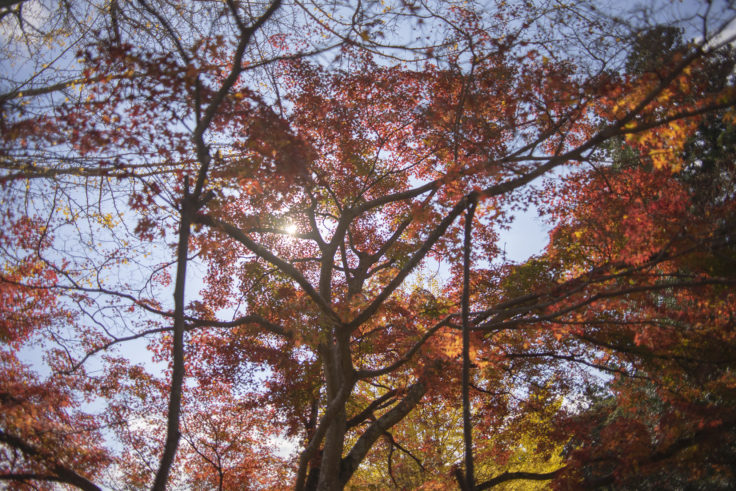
{"x":361,"y":448}
{"x":62,"y":473}
{"x":467,"y":423}
{"x":177,"y":375}
{"x":340,"y":380}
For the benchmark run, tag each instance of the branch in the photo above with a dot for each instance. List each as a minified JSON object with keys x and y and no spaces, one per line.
{"x":364,"y":374}
{"x":74,"y":287}
{"x":350,"y":463}
{"x":237,"y":234}
{"x":510,"y":476}
{"x":192,"y":325}
{"x":396,"y":444}
{"x":490,"y":191}
{"x":597,"y":296}
{"x":433,"y":237}
{"x":246,"y":35}
{"x":246,"y":319}
{"x":391,"y":198}
{"x":29,"y":476}
{"x":365,"y":413}
{"x":713,"y":432}
{"x":494,"y":190}
{"x":64,"y":474}
{"x":374,"y":258}
{"x":59,"y":86}
{"x":575,"y":359}
{"x":6,"y":4}
{"x":600,"y":274}
{"x":617,"y":128}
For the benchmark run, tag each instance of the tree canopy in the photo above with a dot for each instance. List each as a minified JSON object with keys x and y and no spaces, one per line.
{"x":257,"y":245}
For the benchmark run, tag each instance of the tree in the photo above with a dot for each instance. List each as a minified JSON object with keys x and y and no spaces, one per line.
{"x":315,"y":194}
{"x":668,"y":354}
{"x":44,"y":435}
{"x":667,"y":420}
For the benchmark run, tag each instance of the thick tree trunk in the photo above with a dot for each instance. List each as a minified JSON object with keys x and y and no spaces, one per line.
{"x":329,"y":475}
{"x":340,"y":380}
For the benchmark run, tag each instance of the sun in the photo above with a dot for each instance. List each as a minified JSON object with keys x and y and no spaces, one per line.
{"x":290,"y":228}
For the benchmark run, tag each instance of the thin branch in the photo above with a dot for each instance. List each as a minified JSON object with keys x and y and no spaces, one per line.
{"x":237,"y":234}
{"x":575,"y":359}
{"x":192,"y":324}
{"x":429,"y":242}
{"x":396,"y":444}
{"x":365,"y":374}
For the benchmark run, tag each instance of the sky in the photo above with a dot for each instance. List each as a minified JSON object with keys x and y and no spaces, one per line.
{"x":527,"y":236}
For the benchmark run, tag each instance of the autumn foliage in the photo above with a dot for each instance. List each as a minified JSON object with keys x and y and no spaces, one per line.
{"x":261,"y":246}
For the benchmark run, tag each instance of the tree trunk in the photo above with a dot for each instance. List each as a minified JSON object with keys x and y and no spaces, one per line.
{"x":340,"y":379}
